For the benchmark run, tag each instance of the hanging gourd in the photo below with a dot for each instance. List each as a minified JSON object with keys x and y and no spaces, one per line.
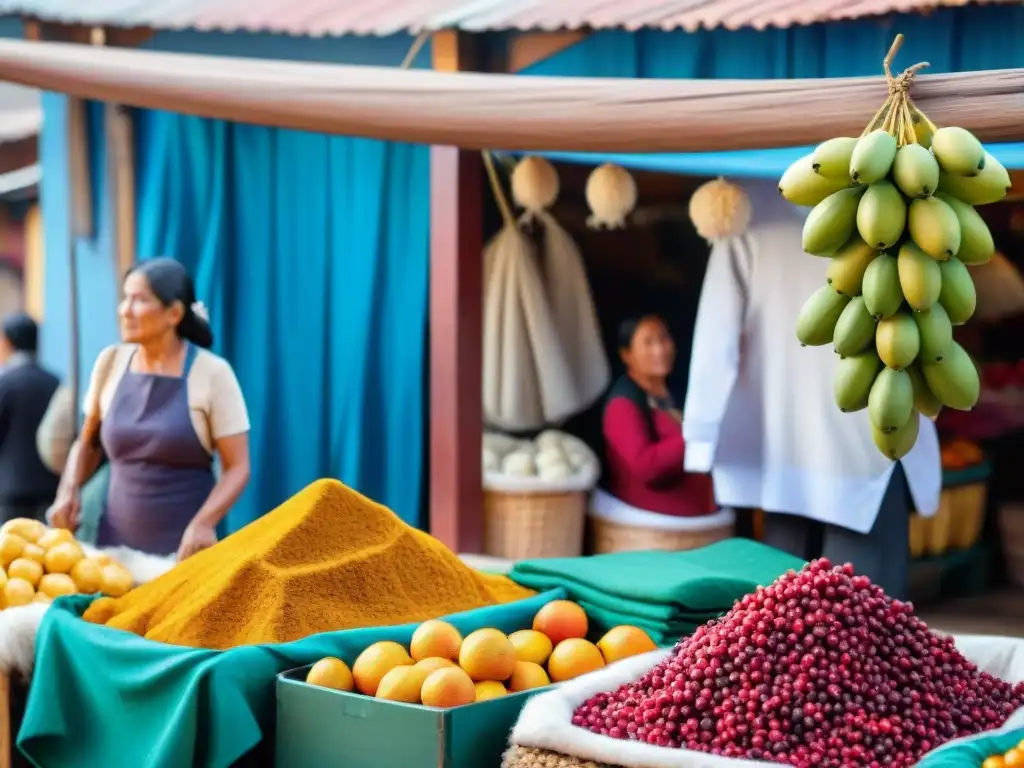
{"x":719,"y":210}
{"x":534,"y":184}
{"x":611,"y":195}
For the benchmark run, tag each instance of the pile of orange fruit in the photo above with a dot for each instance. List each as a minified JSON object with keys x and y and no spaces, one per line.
{"x":39,"y":564}
{"x":1013,"y":757}
{"x":442,"y":669}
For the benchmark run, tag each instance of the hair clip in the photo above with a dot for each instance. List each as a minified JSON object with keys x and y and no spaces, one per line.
{"x":199,"y":310}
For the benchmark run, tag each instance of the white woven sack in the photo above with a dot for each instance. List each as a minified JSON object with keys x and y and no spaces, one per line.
{"x":546,"y":721}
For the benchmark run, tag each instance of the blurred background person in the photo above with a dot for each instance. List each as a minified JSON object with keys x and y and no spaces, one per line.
{"x":27,"y":486}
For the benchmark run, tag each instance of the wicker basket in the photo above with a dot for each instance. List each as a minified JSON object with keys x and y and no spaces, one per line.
{"x":618,"y":527}
{"x":522,"y":526}
{"x":1011,"y":526}
{"x":956,"y":525}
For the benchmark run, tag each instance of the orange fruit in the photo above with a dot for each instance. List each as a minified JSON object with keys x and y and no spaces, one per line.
{"x":87,"y":575}
{"x":624,"y":641}
{"x":33,"y":552}
{"x":56,"y":584}
{"x":375,"y":662}
{"x":435,"y":638}
{"x":41,"y":598}
{"x":561,"y":620}
{"x":116,"y":581}
{"x":433,"y":663}
{"x":3,"y":577}
{"x":329,"y":672}
{"x":26,"y":569}
{"x":447,"y":688}
{"x":487,"y":655}
{"x":572,"y":658}
{"x":61,"y":558}
{"x":1014,"y":757}
{"x":25,"y":527}
{"x":528,"y":675}
{"x":531,"y":645}
{"x":11,"y":546}
{"x":996,"y":761}
{"x":402,"y":684}
{"x":18,"y":592}
{"x":102,"y":558}
{"x":489,"y":689}
{"x":54,"y":536}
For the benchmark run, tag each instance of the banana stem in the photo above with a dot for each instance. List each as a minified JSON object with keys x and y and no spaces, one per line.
{"x":908,"y":122}
{"x":882,"y":114}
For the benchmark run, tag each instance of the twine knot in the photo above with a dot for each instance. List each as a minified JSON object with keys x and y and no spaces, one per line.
{"x":901,"y":83}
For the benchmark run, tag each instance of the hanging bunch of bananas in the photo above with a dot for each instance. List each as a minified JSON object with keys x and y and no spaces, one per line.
{"x":894,"y":212}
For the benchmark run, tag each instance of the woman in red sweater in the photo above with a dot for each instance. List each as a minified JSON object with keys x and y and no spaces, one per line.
{"x":643,"y":432}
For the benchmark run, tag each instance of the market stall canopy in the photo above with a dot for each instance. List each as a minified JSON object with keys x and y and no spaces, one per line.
{"x":479,"y":111}
{"x":317,"y":19}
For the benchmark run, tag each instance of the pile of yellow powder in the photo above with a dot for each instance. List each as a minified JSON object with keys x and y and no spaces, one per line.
{"x":326,"y":559}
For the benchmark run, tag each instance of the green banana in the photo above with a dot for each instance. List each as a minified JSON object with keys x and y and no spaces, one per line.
{"x":881,"y":215}
{"x":976,"y":243}
{"x":819,"y":315}
{"x":958,"y":152}
{"x":958,"y":296}
{"x":854,"y":330}
{"x":955,"y":380}
{"x":898,"y":341}
{"x":891,"y":400}
{"x":898,"y":443}
{"x":800,"y":185}
{"x":915,"y":171}
{"x":881,"y":287}
{"x":831,"y":222}
{"x":846,"y":269}
{"x":872,"y":157}
{"x":990,"y":185}
{"x":854,"y":378}
{"x":936,"y":333}
{"x":920,"y":277}
{"x":934,"y":227}
{"x":925,"y":400}
{"x":832,"y":158}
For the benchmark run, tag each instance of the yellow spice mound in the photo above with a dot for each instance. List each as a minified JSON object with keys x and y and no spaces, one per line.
{"x":326,"y":559}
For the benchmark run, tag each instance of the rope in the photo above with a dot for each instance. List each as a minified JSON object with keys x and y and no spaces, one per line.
{"x":897,"y":114}
{"x":500,"y":198}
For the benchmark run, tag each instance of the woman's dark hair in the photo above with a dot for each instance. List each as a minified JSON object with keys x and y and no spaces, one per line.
{"x":22,"y":333}
{"x":628,"y":328}
{"x":169,"y":282}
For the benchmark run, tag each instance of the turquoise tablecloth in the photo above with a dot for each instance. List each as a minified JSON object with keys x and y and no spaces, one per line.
{"x":104,"y":697}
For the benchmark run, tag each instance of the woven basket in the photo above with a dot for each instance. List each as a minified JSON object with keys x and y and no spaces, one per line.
{"x":523,"y":526}
{"x":956,"y":525}
{"x":614,"y":537}
{"x":528,"y":757}
{"x":1011,"y":526}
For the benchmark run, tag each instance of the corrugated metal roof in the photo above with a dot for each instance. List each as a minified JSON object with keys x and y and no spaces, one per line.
{"x":318,"y":18}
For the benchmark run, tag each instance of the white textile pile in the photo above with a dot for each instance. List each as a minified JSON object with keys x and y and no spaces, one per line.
{"x":555,"y":462}
{"x":19,"y":626}
{"x":546,"y":720}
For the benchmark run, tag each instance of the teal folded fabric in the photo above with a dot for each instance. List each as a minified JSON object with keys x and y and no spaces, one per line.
{"x":662,"y":586}
{"x":973,"y":751}
{"x":105,"y":697}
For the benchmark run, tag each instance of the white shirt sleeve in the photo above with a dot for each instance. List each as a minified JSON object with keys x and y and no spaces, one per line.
{"x":715,"y":358}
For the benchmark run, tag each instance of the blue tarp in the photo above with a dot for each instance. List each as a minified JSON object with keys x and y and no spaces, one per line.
{"x":754,"y":163}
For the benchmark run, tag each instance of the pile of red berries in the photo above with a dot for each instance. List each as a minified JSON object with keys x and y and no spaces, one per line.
{"x":819,"y":669}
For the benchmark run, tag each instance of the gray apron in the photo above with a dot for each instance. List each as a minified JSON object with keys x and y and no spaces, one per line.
{"x":160,"y":474}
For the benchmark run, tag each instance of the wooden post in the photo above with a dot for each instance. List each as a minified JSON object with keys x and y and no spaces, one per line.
{"x":456,"y":321}
{"x":6,"y":742}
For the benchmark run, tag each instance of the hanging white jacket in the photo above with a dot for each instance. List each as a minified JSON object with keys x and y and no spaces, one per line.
{"x":759,"y":412}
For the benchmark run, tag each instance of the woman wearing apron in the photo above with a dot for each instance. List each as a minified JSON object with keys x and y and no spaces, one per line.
{"x":159,"y":406}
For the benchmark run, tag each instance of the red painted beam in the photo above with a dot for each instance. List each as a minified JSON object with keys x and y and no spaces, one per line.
{"x":456,"y":348}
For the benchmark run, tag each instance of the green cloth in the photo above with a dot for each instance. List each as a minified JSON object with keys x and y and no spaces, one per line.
{"x":668,"y":593}
{"x":93,"y":503}
{"x":971,"y":752}
{"x":105,"y":697}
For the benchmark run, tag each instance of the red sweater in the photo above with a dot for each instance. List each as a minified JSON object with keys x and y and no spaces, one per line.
{"x":648,"y":473}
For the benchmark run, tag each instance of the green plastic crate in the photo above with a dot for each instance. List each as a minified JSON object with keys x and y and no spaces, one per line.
{"x":319,"y":727}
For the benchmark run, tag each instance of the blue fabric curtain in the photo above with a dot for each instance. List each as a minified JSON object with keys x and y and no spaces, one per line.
{"x":311,"y":253}
{"x":952,"y":40}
